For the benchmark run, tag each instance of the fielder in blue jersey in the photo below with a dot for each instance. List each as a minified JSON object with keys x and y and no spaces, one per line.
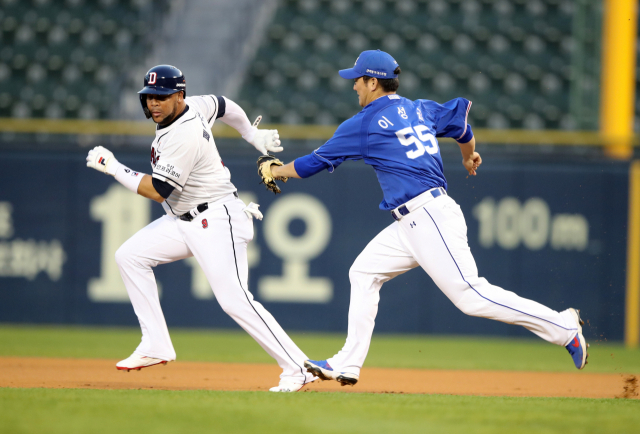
{"x":398,"y":137}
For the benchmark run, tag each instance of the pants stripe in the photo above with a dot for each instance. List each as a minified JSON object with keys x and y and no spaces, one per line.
{"x":476,"y":291}
{"x":251,"y":304}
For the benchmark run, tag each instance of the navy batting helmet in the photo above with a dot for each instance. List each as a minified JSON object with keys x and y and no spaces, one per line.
{"x":161,"y":80}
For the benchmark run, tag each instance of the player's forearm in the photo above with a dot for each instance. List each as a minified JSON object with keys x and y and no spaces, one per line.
{"x":146,"y":189}
{"x":103,"y":160}
{"x":471,"y":160}
{"x":236,"y":118}
{"x":288,"y":170}
{"x":264,"y":141}
{"x":467,"y":149}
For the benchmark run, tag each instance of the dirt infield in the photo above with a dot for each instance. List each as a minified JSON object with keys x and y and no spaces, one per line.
{"x":102,"y":374}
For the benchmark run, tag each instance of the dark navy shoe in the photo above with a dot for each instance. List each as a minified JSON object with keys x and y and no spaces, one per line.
{"x":324,"y":371}
{"x":578,"y":346}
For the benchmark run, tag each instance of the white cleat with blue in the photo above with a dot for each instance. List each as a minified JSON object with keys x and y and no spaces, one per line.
{"x":324,"y":371}
{"x":578,"y":345}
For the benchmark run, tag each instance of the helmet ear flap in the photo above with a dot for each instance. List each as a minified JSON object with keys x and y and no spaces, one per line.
{"x":145,"y":109}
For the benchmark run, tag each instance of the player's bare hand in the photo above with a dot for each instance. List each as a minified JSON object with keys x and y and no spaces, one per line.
{"x":264,"y":141}
{"x":102,"y":160}
{"x":472,"y":163}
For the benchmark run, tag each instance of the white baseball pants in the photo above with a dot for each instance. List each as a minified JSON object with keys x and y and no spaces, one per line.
{"x":434,"y":236}
{"x":218,"y":239}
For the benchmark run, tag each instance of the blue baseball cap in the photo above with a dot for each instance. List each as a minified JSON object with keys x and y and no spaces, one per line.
{"x":373,"y":63}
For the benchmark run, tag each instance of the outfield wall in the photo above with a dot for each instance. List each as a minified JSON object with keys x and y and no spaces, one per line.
{"x":555,"y":233}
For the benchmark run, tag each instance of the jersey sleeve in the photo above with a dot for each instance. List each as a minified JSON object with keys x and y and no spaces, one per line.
{"x":451,"y":118}
{"x":208,"y":105}
{"x":175,"y":162}
{"x":164,"y":189}
{"x":344,"y":145}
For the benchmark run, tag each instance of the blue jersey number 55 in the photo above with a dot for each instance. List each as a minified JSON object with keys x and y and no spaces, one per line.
{"x":419,"y":137}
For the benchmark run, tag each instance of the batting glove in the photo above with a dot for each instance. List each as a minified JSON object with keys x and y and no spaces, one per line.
{"x":102,"y":160}
{"x":252,"y":211}
{"x":264,"y":140}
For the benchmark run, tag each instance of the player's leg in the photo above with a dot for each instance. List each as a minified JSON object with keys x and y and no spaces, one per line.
{"x":381,"y":260}
{"x":158,"y":243}
{"x":221,"y":251}
{"x":437,"y":237}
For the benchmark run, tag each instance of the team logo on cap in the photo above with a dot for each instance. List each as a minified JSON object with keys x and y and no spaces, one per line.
{"x":371,"y":71}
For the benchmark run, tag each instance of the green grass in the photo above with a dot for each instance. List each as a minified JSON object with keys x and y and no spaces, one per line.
{"x":429,"y":352}
{"x":71,"y":411}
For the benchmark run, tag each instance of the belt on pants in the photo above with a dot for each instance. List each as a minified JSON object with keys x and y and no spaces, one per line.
{"x":190,"y":215}
{"x":403,"y":210}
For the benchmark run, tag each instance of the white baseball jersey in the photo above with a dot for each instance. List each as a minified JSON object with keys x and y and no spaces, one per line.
{"x":185,"y":156}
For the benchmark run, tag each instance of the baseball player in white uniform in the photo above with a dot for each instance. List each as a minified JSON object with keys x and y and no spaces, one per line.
{"x":204,"y":218}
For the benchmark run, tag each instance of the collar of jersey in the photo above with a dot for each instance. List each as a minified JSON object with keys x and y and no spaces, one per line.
{"x":384,"y":98}
{"x":186,"y":109}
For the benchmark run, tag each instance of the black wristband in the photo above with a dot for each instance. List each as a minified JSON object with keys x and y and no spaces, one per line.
{"x":222,"y":106}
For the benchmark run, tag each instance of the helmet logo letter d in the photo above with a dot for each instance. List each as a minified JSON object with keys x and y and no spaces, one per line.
{"x":152,"y":78}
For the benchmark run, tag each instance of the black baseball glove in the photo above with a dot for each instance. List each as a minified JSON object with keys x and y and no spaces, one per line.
{"x":264,"y":170}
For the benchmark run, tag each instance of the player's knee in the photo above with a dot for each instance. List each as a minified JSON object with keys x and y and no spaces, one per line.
{"x":124,"y":255}
{"x":470,"y":304}
{"x":121,"y":256}
{"x":467,"y":309}
{"x":361,"y":272}
{"x":356,"y":271}
{"x":226,"y":306}
{"x":237,"y":303}
{"x":353,"y":274}
{"x":230,"y":308}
